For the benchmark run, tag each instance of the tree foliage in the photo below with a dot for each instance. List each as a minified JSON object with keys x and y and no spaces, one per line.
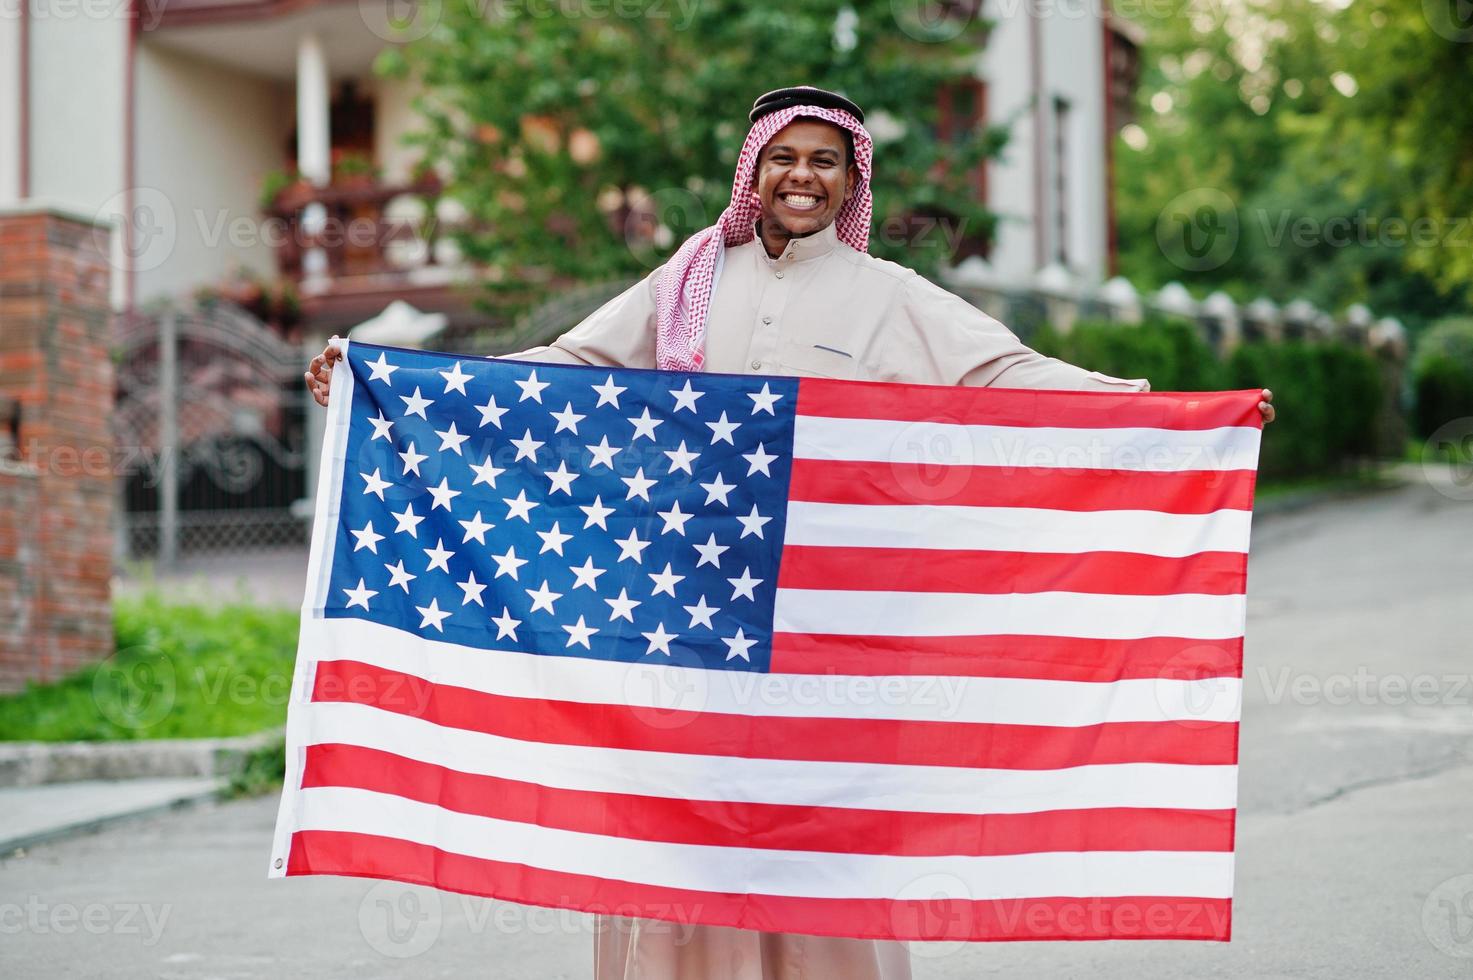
{"x":1341,"y":136}
{"x":590,"y":142}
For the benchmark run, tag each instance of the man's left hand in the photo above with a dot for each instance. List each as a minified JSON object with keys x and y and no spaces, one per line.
{"x":1266,"y":407}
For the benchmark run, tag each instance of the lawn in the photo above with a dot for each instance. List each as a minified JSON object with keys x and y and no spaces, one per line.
{"x":179,"y":671}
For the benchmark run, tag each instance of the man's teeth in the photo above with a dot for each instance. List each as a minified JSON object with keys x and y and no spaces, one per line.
{"x":801,"y":200}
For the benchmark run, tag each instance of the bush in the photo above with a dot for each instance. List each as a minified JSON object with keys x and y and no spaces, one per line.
{"x":179,"y":671}
{"x":1328,"y":394}
{"x":1442,"y":374}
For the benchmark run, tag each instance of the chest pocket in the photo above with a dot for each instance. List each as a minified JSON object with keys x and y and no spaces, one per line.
{"x":804,"y":359}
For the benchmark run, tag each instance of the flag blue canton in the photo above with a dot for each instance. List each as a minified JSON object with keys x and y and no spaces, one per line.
{"x":564,"y":511}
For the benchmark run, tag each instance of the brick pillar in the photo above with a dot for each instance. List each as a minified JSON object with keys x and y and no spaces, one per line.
{"x":56,"y":480}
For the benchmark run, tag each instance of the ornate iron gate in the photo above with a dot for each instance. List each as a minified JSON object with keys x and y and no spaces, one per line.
{"x":211,"y":427}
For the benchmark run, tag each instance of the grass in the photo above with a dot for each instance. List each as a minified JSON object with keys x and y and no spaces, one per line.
{"x":179,"y":671}
{"x":1375,"y":478}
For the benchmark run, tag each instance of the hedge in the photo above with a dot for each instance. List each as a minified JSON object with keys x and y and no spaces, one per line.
{"x":1329,"y":395}
{"x":1442,"y":374}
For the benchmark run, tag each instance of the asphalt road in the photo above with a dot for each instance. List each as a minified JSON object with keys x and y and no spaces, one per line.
{"x":1355,"y":835}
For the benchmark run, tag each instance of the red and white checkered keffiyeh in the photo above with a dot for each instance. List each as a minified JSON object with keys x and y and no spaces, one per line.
{"x":683,"y":292}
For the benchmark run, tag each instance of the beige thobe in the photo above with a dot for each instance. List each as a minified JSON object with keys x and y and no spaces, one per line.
{"x":821,"y":309}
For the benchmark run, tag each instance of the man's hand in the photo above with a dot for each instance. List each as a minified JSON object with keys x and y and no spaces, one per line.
{"x":1265,"y":407}
{"x":319,"y":374}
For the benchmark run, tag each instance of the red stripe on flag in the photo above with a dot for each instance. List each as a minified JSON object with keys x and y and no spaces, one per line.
{"x":1003,"y":572}
{"x":1111,"y":917}
{"x":773,"y":826}
{"x":868,"y":482}
{"x":1057,"y":658}
{"x":1028,"y":408}
{"x":874,"y":741}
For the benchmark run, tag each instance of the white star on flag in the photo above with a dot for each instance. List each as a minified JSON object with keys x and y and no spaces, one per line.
{"x":443,"y":494}
{"x":359,"y":596}
{"x":491,"y":413}
{"x":455,"y":379}
{"x":562,"y":479}
{"x":638,"y":485}
{"x":381,"y":370}
{"x":608,"y":393}
{"x":376,"y":485}
{"x":366,"y":538}
{"x":665,"y":581}
{"x":674,"y":519}
{"x":742,"y":587}
{"x":505,"y":625}
{"x":721,"y":430}
{"x":718,"y":488}
{"x":451,"y":439}
{"x":532,"y":388}
{"x":407,"y":521}
{"x":603,"y":453}
{"x":586,"y":575}
{"x":433,"y":615}
{"x":553,"y":540}
{"x":711,"y":552}
{"x":680,"y":459}
{"x":622,"y":607}
{"x":475,"y":528}
{"x":686,"y":397}
{"x":472,"y":590}
{"x":645,"y":426}
{"x":701,"y":613}
{"x":567,"y":419}
{"x":764,"y":400}
{"x":543,"y":597}
{"x":508,"y":563}
{"x":752,"y":523}
{"x":520,"y":506}
{"x":759,"y":460}
{"x":527,"y":447}
{"x":579,"y":633}
{"x":596,"y":512}
{"x":486,"y":473}
{"x":399,"y":576}
{"x":381,"y":427}
{"x":659,"y":640}
{"x":737,"y":646}
{"x":632,"y":547}
{"x":439,"y":557}
{"x":415,"y":404}
{"x":412,"y":460}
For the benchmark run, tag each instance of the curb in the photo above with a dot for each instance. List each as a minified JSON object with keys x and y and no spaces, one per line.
{"x":11,"y":845}
{"x":42,"y":763}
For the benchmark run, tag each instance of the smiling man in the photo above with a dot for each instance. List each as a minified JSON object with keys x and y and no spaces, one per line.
{"x":783,"y":284}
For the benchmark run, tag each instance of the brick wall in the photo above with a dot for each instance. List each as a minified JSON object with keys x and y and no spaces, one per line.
{"x":56,"y":487}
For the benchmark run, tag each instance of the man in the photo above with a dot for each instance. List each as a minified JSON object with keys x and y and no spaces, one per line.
{"x":782,"y":284}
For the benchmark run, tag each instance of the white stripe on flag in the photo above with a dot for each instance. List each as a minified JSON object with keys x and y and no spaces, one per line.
{"x":1068,"y":532}
{"x":1041,"y":447}
{"x":762,"y":871}
{"x":994,"y":700}
{"x":917,"y":789}
{"x":1078,"y":614}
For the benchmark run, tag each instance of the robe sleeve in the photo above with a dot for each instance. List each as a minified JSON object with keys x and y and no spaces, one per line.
{"x":621,"y":333}
{"x":965,"y":346}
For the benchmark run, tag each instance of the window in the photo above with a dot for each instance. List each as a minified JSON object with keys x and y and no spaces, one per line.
{"x":1062,"y":139}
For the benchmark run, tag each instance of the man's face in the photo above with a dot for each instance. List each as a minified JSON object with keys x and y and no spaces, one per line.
{"x":802,"y":178}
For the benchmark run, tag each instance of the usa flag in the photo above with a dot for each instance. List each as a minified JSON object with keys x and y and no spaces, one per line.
{"x":800,"y":655}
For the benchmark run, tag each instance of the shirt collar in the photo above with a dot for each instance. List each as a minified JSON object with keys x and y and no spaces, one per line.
{"x":814,"y":246}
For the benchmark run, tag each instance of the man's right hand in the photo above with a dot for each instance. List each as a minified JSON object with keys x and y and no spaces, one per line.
{"x":319,"y":373}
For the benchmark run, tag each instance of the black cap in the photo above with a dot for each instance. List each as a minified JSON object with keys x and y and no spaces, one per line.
{"x":784,"y":98}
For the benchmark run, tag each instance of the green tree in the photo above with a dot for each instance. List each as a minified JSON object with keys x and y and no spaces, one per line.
{"x":556,"y":129}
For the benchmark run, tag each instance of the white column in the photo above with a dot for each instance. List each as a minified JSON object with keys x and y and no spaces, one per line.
{"x":314,"y":143}
{"x":10,"y":89}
